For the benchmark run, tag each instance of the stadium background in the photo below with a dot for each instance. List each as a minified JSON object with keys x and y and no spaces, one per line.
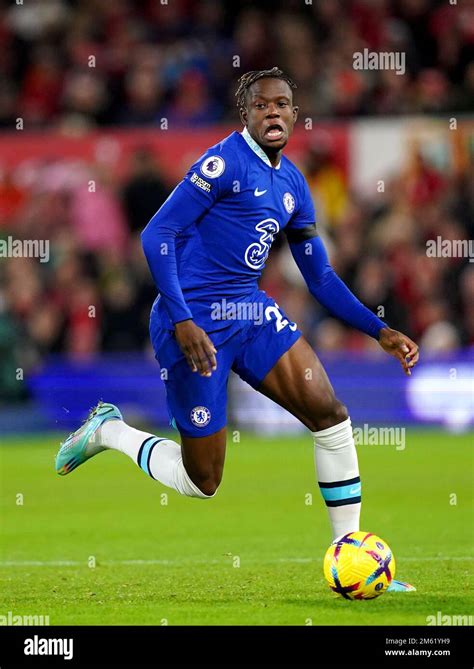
{"x":103,"y":106}
{"x":116,"y":100}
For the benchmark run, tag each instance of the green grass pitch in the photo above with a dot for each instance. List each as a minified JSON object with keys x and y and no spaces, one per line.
{"x":251,"y":556}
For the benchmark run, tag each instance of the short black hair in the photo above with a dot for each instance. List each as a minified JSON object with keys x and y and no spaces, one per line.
{"x":249,"y":78}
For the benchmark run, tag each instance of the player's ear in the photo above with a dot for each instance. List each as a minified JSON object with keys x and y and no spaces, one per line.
{"x":243,"y":115}
{"x":295,"y":113}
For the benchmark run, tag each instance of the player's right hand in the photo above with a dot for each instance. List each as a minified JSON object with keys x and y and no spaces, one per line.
{"x":197,"y":347}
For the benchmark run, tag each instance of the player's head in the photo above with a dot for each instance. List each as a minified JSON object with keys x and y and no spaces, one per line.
{"x":265,"y":103}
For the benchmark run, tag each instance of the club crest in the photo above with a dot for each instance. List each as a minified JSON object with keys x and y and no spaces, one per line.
{"x":289,"y":202}
{"x":200,"y":416}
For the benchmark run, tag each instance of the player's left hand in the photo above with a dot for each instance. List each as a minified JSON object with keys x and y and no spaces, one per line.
{"x":401,"y":347}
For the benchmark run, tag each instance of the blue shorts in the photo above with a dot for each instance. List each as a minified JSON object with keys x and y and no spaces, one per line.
{"x":197,"y":404}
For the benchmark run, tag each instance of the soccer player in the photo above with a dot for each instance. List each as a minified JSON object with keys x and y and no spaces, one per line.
{"x":206,"y":248}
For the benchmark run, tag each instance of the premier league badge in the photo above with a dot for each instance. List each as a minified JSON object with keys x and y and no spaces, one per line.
{"x":213,"y":167}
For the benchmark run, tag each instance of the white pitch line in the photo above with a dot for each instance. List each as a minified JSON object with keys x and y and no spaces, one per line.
{"x":79,"y":563}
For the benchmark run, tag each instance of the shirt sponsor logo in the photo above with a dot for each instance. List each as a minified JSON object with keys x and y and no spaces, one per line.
{"x":257,"y":253}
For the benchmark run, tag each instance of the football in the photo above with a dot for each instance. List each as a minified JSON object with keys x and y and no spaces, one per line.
{"x":359,"y":565}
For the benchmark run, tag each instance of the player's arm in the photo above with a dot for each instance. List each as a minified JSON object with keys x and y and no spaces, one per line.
{"x":159,"y":245}
{"x":208,"y":180}
{"x":324,"y":284}
{"x":330,"y":291}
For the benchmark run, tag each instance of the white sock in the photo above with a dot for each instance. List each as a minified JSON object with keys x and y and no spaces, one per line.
{"x":159,"y":458}
{"x":337,"y":470}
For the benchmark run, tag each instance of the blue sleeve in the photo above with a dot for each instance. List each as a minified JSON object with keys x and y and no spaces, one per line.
{"x":209,"y":179}
{"x":324,"y":284}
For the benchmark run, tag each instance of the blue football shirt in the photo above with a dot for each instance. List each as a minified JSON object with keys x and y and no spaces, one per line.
{"x":216,"y":229}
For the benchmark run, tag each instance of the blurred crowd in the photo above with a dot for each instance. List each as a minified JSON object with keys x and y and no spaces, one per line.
{"x":68,"y":64}
{"x":95,"y":292}
{"x":134,"y":62}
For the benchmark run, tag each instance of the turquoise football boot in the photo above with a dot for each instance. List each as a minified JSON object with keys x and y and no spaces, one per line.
{"x":399,"y":586}
{"x":80,"y":446}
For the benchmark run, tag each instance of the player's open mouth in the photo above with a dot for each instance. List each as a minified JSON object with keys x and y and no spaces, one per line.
{"x":274,"y":132}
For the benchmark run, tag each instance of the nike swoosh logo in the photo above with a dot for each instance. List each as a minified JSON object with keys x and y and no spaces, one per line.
{"x":257,"y":192}
{"x":354,"y":491}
